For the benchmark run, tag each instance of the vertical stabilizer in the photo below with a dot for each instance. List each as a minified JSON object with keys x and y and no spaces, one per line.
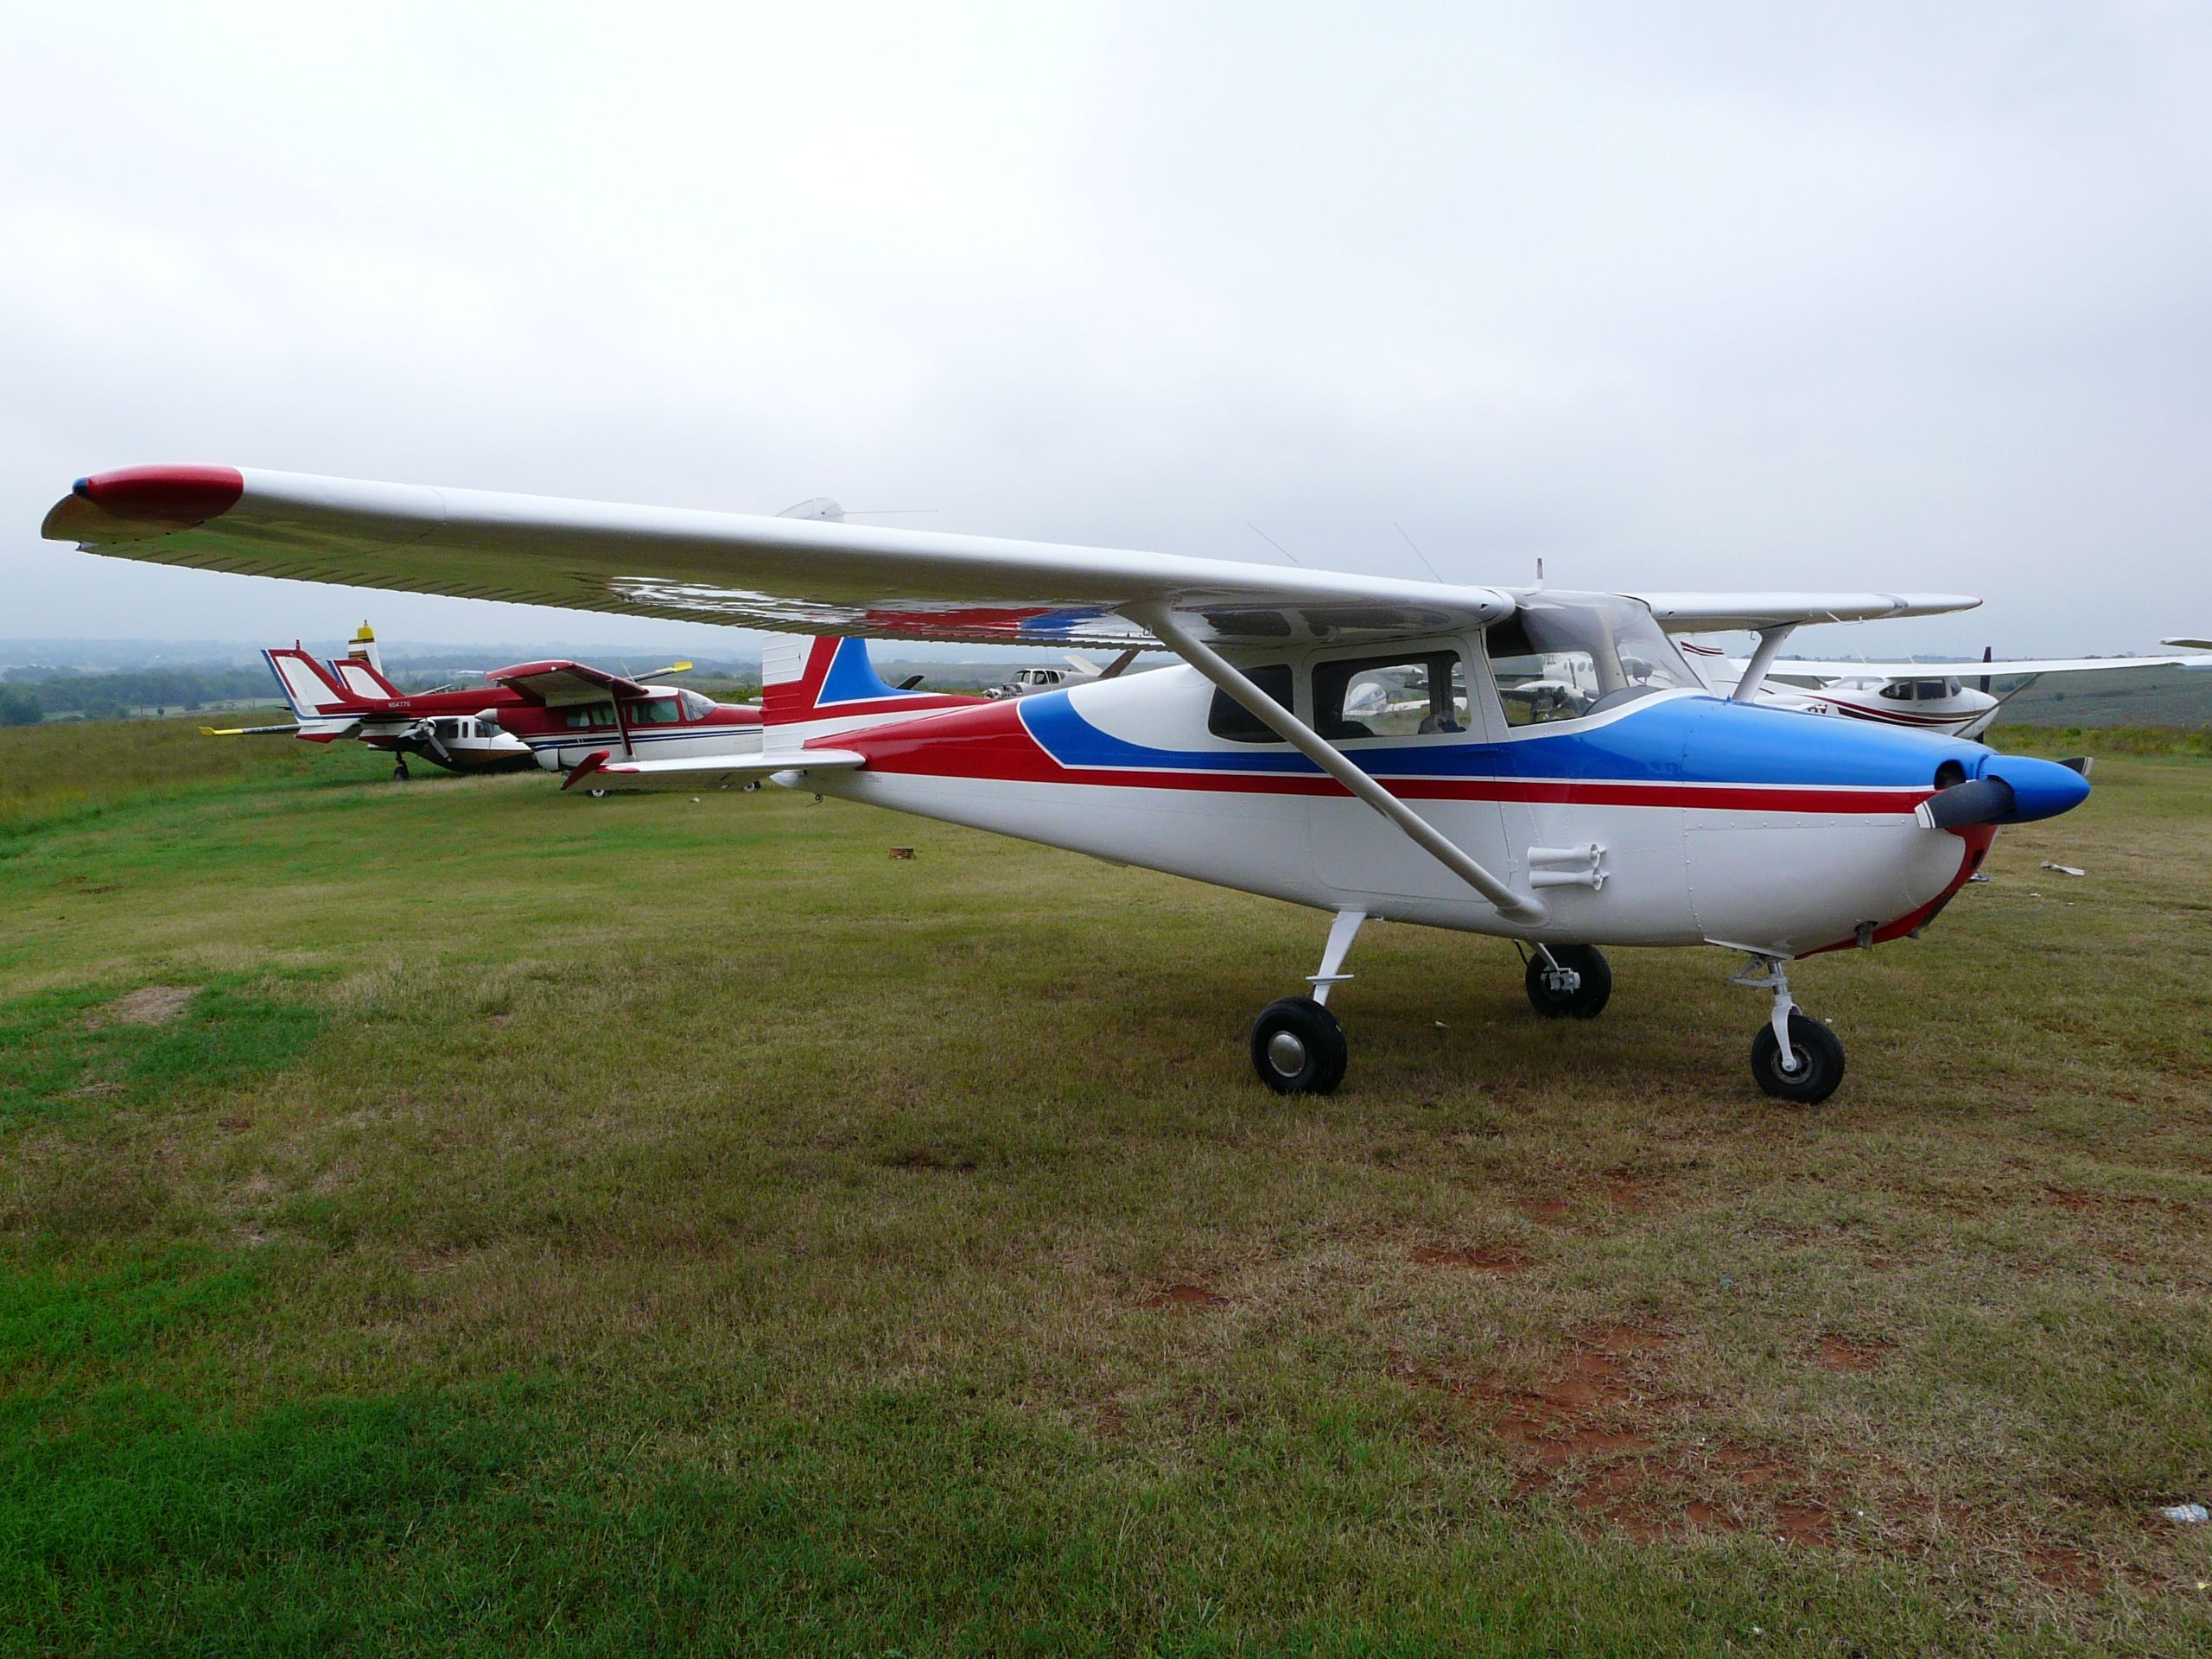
{"x":361,"y":669}
{"x":307,"y":687}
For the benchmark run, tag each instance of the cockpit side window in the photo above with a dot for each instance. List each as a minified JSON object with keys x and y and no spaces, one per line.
{"x":1228,"y":718}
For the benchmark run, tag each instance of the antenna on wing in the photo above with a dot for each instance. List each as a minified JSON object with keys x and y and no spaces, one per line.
{"x":1418,"y":554}
{"x":1275,"y":544}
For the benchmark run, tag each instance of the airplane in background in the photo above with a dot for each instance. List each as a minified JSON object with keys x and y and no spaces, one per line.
{"x":547,"y":714}
{"x":1026,"y":682}
{"x":1931,"y":696}
{"x":1658,"y":814}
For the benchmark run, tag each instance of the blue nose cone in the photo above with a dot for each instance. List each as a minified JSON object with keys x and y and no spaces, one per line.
{"x":2041,"y":788}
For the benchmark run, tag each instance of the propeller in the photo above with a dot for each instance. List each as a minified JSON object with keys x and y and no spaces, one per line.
{"x":1976,"y":802}
{"x":1987,"y":652}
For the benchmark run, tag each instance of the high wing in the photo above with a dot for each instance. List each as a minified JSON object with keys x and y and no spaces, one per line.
{"x":801,"y":575}
{"x":1967,"y":668}
{"x":557,"y":684}
{"x":1729,"y":613}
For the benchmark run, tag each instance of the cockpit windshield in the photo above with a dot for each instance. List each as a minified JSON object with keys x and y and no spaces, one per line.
{"x":1562,"y":657}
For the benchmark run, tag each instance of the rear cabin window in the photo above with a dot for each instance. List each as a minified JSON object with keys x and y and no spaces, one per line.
{"x":1232,"y":720}
{"x":656,"y":711}
{"x":585,"y":716}
{"x":695,"y":706}
{"x":1424,"y":696}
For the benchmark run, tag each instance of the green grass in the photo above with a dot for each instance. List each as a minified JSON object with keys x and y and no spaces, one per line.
{"x":560,"y":1225}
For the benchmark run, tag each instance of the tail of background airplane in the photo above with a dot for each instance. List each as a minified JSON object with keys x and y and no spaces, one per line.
{"x":309,"y":689}
{"x":807,"y":682}
{"x":360,"y":670}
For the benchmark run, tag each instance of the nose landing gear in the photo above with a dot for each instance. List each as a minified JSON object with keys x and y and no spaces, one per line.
{"x":1795,"y":1057}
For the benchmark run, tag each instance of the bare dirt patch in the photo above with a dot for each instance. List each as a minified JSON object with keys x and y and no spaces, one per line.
{"x":150,"y":1005}
{"x":2056,"y":1567}
{"x":1183,"y":1296}
{"x":1488,"y":1261}
{"x":1841,"y":1354}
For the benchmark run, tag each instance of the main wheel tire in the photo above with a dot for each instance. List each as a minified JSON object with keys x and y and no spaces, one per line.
{"x":1591,"y":992}
{"x":1820,"y":1061}
{"x":1298,"y":1048}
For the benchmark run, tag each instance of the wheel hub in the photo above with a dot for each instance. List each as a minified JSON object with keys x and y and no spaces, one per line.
{"x":1286,"y":1053}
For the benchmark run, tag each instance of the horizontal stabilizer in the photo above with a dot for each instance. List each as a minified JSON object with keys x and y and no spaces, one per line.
{"x":599,"y":770}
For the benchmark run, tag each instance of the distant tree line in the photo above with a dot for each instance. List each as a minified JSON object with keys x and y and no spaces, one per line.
{"x":25,"y":701}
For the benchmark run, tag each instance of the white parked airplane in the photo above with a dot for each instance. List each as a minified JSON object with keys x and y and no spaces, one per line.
{"x":1931,"y":696}
{"x":1656,"y":813}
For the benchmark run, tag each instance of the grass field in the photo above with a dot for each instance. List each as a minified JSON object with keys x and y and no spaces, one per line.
{"x":456,"y":1217}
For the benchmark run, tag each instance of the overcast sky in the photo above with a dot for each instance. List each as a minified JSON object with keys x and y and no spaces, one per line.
{"x":1880,"y":295}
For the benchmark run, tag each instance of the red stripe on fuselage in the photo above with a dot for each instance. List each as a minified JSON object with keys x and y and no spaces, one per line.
{"x":992,"y":743}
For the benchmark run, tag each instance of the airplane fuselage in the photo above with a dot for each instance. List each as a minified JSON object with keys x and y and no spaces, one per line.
{"x":1676,"y":817}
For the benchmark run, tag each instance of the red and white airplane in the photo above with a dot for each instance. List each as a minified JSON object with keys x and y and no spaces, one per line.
{"x":547,"y":714}
{"x":1345,"y":741}
{"x":1926,"y":696}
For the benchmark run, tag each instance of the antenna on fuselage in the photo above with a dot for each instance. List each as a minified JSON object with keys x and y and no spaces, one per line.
{"x":1539,"y":571}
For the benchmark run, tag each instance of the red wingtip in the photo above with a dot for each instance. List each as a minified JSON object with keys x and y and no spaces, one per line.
{"x":175,"y":497}
{"x":136,"y":504}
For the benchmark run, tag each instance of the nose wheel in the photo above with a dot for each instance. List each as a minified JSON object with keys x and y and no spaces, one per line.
{"x":1795,"y":1058}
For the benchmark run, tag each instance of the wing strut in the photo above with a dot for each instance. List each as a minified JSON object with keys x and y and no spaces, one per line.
{"x":1170,"y":632}
{"x":1755,"y":671}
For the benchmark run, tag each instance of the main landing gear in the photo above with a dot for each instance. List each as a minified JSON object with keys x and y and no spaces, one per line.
{"x":1795,"y":1057}
{"x":1569,"y":981}
{"x":1298,"y":1048}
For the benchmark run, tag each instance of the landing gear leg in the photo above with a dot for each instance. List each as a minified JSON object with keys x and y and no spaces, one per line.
{"x":1298,"y":1048}
{"x":399,"y":773}
{"x":1795,"y":1057}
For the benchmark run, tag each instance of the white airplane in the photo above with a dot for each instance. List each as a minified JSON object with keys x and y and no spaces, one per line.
{"x":1930,"y":696}
{"x":1027,"y":681}
{"x":1656,"y":814}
